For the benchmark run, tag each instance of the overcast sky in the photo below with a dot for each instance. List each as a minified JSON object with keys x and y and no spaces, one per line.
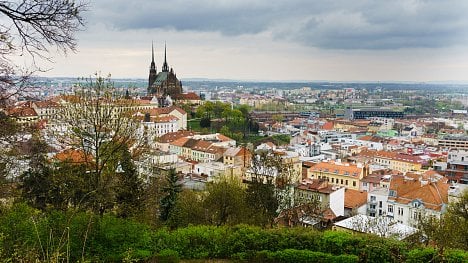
{"x":405,"y":40}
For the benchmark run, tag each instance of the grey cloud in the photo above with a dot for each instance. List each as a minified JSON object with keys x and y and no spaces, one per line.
{"x":337,"y":25}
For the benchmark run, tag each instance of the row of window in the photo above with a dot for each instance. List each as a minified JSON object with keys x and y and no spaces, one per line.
{"x":337,"y":181}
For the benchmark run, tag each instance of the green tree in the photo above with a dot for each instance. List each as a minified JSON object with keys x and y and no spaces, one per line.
{"x":262,"y":201}
{"x":188,"y":210}
{"x":130,"y":188}
{"x":225,"y":201}
{"x":451,"y":230}
{"x":170,"y":195}
{"x":100,"y":124}
{"x":205,"y":122}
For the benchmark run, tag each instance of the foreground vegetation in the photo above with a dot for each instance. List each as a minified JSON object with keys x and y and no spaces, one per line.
{"x":29,"y":235}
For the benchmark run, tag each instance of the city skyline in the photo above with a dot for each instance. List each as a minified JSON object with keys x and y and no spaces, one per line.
{"x":339,"y":41}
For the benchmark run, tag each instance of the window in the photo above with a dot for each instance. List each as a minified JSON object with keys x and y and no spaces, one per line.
{"x":341,"y":181}
{"x":354,"y":183}
{"x":380,"y":204}
{"x":372,"y":198}
{"x":346,"y":182}
{"x":400,"y":211}
{"x":390,"y":208}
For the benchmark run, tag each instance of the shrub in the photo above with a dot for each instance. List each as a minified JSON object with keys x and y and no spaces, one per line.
{"x":167,"y":256}
{"x":456,"y":256}
{"x":422,"y":255}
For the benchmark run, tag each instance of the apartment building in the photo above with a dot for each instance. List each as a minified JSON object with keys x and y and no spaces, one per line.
{"x":339,"y":173}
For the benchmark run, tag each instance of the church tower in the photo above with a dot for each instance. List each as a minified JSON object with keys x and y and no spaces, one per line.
{"x":164,"y":83}
{"x":153,"y":72}
{"x":165,"y":67}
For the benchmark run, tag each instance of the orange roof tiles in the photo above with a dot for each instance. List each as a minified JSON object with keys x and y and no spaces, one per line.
{"x":73,"y":156}
{"x":187,"y":96}
{"x":328,"y":126}
{"x":172,"y":136}
{"x":432,"y":195}
{"x":46,"y":104}
{"x":180,"y":142}
{"x":224,"y":138}
{"x":393,"y":156}
{"x":336,"y":168}
{"x":316,"y":185}
{"x":22,"y":112}
{"x":354,"y":198}
{"x":165,"y":110}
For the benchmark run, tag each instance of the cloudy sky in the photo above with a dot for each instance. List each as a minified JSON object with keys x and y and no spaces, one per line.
{"x":405,"y":40}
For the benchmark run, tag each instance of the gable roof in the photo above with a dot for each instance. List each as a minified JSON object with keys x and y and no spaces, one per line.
{"x":345,"y":169}
{"x":432,"y":195}
{"x":354,"y":198}
{"x":172,"y":136}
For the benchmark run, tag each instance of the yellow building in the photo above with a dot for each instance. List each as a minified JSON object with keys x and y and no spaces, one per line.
{"x":395,"y":161}
{"x":338,"y":173}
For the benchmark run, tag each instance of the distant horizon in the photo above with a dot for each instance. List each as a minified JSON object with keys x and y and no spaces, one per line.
{"x":452,"y":82}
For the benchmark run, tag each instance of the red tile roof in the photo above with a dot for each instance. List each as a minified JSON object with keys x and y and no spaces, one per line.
{"x":187,"y":96}
{"x":22,"y":112}
{"x":354,"y":198}
{"x":172,"y":136}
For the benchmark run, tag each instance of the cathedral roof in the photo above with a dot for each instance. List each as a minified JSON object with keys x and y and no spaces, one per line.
{"x":160,"y":78}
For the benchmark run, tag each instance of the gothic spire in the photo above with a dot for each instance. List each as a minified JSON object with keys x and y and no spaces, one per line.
{"x":165,"y":67}
{"x":152,"y":52}
{"x":153,"y":65}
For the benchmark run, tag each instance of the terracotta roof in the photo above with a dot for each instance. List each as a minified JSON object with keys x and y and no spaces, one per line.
{"x":354,"y":198}
{"x":22,"y":112}
{"x":342,"y":169}
{"x":393,"y":156}
{"x":172,"y":136}
{"x":201,"y":145}
{"x":190,"y":143}
{"x":216,"y":150}
{"x":187,"y":96}
{"x":180,"y":142}
{"x":432,"y":195}
{"x":72,"y":156}
{"x":328,"y":214}
{"x":164,"y":110}
{"x":46,"y":104}
{"x":328,"y":126}
{"x":372,"y":178}
{"x":224,"y":138}
{"x":316,"y":185}
{"x":370,"y":138}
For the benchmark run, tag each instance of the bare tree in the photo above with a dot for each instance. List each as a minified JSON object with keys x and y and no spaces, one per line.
{"x":99,"y":121}
{"x":32,"y":27}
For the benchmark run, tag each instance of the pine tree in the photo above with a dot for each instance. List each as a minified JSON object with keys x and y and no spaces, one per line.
{"x":130,"y":188}
{"x":171,"y":193}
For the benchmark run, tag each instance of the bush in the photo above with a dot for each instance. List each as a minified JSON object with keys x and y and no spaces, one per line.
{"x":167,"y":256}
{"x":113,"y":237}
{"x":456,"y":256}
{"x":422,"y":255}
{"x":301,"y":256}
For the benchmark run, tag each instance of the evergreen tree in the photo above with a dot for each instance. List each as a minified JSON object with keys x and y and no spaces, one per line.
{"x":171,"y":192}
{"x":130,"y":189}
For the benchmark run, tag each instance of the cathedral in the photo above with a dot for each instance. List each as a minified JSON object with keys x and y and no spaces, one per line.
{"x":165,"y":83}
